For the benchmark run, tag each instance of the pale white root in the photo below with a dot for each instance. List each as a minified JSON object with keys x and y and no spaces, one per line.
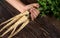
{"x":6,"y":21}
{"x":18,"y":24}
{"x":14,"y":19}
{"x":20,"y":28}
{"x":19,"y":15}
{"x":17,"y":20}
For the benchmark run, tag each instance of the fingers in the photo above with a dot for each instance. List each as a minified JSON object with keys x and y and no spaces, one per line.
{"x":34,"y":13}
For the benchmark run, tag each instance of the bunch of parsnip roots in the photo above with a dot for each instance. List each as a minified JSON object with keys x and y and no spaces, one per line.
{"x":14,"y":22}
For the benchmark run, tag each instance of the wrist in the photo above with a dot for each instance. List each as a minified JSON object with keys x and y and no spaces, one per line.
{"x":17,"y":4}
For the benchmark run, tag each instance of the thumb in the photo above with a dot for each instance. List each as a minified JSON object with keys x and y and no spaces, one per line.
{"x":28,"y":7}
{"x":31,"y":6}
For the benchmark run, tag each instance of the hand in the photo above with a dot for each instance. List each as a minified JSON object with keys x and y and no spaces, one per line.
{"x":34,"y":13}
{"x":32,"y":9}
{"x":22,"y":8}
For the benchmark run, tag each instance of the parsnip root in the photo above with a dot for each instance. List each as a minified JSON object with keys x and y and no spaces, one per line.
{"x":15,"y":22}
